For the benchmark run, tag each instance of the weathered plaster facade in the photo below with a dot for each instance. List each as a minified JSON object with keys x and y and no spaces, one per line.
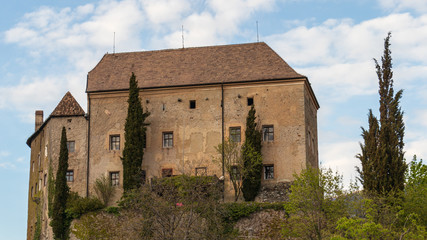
{"x":219,"y":79}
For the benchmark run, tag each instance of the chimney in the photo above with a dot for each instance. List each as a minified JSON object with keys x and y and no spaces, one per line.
{"x":39,"y":119}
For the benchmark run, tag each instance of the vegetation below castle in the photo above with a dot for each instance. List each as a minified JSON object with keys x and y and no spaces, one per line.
{"x":185,"y":207}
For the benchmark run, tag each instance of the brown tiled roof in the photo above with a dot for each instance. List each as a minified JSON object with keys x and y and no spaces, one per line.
{"x":189,"y":66}
{"x":68,"y":106}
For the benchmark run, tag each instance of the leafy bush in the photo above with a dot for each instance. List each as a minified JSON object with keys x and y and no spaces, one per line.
{"x":77,"y":206}
{"x":112,"y":210}
{"x":104,"y":189}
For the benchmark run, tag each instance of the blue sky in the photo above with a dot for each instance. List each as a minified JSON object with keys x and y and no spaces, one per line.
{"x":48,"y":46}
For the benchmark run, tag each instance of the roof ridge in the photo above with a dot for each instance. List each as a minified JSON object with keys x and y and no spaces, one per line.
{"x":187,"y":48}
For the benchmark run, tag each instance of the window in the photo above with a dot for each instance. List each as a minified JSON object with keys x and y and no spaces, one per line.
{"x":192,"y":104}
{"x":235,"y":173}
{"x":114,"y":177}
{"x":250,"y":101}
{"x":235,"y":134}
{"x":115,"y":142}
{"x":36,"y":187}
{"x":45,"y":180}
{"x":167,"y":172}
{"x":268,"y":133}
{"x":268,"y":171}
{"x":70,"y":175}
{"x":168,"y":139}
{"x":71,"y":146}
{"x":32,"y":192}
{"x":201,"y":171}
{"x":40,"y":184}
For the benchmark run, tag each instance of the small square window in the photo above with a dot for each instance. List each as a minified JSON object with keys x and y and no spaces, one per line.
{"x":268,"y":171}
{"x":167,"y":139}
{"x":235,"y":133}
{"x":201,"y":171}
{"x":192,"y":104}
{"x":250,"y":101}
{"x":114,"y":178}
{"x":70,"y":175}
{"x":71,"y":146}
{"x":114,"y":142}
{"x":268,"y":133}
{"x":167,"y":172}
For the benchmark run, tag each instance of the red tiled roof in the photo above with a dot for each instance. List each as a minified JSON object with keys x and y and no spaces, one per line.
{"x":189,"y":66}
{"x":68,"y":106}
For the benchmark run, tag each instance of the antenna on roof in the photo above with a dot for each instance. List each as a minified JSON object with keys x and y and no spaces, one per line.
{"x":257,"y":36}
{"x":182,"y":33}
{"x":114,"y":43}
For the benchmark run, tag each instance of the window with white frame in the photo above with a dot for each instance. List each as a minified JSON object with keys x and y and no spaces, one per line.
{"x":269,"y":171}
{"x":268,"y":133}
{"x":70,"y":175}
{"x":114,"y":178}
{"x":167,"y":139}
{"x":71,"y":146}
{"x":114,"y":142}
{"x":235,"y":134}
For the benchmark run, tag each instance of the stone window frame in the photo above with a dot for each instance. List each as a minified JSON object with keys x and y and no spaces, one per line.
{"x":235,"y":134}
{"x":115,"y":178}
{"x":167,"y":139}
{"x":71,"y":146}
{"x":201,"y":171}
{"x":70,"y":175}
{"x":268,"y":133}
{"x":114,"y":142}
{"x":268,"y":170}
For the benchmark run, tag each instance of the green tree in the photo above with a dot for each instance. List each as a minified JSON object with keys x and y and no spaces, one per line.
{"x":252,"y":159}
{"x":60,"y":223}
{"x":233,"y":164}
{"x":416,"y":190}
{"x":315,"y":203}
{"x":382,"y":158}
{"x":135,"y":128}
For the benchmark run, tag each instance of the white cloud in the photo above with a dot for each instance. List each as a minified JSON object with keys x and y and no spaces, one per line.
{"x":75,"y":39}
{"x":337,"y":54}
{"x":340,"y":156}
{"x":400,"y":5}
{"x":7,"y":165}
{"x":416,"y":147}
{"x":165,"y":11}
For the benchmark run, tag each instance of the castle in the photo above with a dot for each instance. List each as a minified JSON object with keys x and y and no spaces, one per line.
{"x":196,"y":97}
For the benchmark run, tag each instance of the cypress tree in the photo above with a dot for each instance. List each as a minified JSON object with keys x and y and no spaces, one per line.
{"x":252,"y":159}
{"x":60,"y":223}
{"x":135,"y":127}
{"x":382,"y":157}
